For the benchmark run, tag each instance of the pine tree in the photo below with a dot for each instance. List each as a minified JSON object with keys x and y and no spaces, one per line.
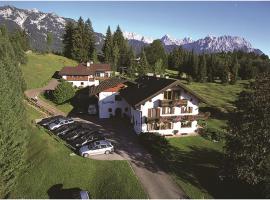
{"x":143,"y":67}
{"x":68,"y":39}
{"x":89,"y":38}
{"x":95,"y":57}
{"x":80,"y":43}
{"x":13,"y":135}
{"x":194,"y":66}
{"x":248,"y":140}
{"x":108,"y":46}
{"x":202,"y":69}
{"x":115,"y":57}
{"x":210,"y":68}
{"x":159,"y":67}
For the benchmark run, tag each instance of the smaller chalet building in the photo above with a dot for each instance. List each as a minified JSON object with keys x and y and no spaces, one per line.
{"x":152,"y":104}
{"x":86,"y":74}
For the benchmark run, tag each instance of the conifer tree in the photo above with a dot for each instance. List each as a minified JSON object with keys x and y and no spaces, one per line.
{"x":248,"y":139}
{"x":143,"y":67}
{"x":202,"y":69}
{"x":89,"y":38}
{"x":13,"y":135}
{"x":194,"y":66}
{"x":68,"y":39}
{"x":49,"y":41}
{"x":108,"y":46}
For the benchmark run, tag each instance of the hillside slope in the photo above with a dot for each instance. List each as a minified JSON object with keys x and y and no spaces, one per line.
{"x":41,"y":67}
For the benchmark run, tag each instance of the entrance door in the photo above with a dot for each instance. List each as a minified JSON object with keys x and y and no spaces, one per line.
{"x":118,"y":112}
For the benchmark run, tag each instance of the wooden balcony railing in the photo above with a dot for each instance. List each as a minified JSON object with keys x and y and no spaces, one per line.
{"x":171,"y":103}
{"x":177,"y":118}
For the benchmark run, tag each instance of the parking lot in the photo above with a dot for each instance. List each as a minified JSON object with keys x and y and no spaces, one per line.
{"x":77,"y":134}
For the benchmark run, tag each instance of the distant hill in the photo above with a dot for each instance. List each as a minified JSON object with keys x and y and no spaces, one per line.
{"x":38,"y":24}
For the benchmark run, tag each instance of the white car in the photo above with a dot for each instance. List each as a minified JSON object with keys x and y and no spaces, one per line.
{"x":60,"y":122}
{"x":97,"y":147}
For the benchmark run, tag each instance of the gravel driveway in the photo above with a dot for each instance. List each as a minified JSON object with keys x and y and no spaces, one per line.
{"x":155,"y":181}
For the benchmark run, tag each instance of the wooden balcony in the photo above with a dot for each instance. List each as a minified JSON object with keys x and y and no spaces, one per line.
{"x":177,"y":118}
{"x":172,"y":103}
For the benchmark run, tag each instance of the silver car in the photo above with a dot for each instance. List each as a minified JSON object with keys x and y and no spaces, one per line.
{"x":60,"y":122}
{"x":97,"y":147}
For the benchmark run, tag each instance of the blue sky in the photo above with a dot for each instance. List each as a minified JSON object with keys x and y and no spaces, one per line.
{"x":250,"y":20}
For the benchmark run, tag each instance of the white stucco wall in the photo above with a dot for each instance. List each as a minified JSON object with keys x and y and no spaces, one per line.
{"x":107,"y":100}
{"x":154,"y":103}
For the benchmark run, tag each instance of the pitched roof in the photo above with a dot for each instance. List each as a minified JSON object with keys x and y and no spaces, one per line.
{"x":82,"y":69}
{"x":110,"y":83}
{"x":147,"y":87}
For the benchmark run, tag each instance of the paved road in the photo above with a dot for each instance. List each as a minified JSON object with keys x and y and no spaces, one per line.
{"x":155,"y":181}
{"x":35,"y":92}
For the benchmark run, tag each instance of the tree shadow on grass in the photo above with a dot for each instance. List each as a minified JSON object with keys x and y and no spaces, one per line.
{"x":57,"y":192}
{"x":201,"y":168}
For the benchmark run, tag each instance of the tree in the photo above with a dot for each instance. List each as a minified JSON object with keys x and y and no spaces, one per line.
{"x":143,"y":67}
{"x":154,"y":52}
{"x":234,"y":70}
{"x":210,"y":68}
{"x":63,"y":92}
{"x":49,"y":40}
{"x":68,"y":39}
{"x":108,"y":46}
{"x":159,"y":67}
{"x":202,"y":69}
{"x":115,"y":57}
{"x":13,"y":131}
{"x":248,"y":140}
{"x":194,"y":66}
{"x":95,"y":57}
{"x":89,"y":38}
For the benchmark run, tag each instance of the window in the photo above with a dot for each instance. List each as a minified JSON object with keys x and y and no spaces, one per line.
{"x":165,"y":125}
{"x":168,"y":95}
{"x":110,"y":110}
{"x":103,"y":146}
{"x":176,"y":95}
{"x":186,"y":124}
{"x":167,"y":110}
{"x":118,"y":98}
{"x":153,"y":112}
{"x":186,"y":109}
{"x":126,"y":109}
{"x":81,"y":83}
{"x":159,"y":126}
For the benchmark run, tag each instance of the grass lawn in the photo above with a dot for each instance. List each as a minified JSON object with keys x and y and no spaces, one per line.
{"x":219,"y":95}
{"x":196,"y":165}
{"x":65,"y":107}
{"x":41,"y":67}
{"x":50,"y":163}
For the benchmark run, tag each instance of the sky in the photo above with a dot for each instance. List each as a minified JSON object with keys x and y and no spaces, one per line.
{"x":250,"y":20}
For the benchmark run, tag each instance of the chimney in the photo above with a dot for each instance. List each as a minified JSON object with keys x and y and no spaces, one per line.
{"x":89,"y":63}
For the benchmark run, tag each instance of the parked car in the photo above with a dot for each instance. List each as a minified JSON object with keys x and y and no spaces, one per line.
{"x":72,"y":132}
{"x":70,"y":127}
{"x":47,"y":121}
{"x":78,"y":133}
{"x":61,"y":128}
{"x":86,"y":139}
{"x":60,"y":122}
{"x":97,"y":147}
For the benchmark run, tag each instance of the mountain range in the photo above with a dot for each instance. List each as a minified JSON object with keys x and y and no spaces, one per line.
{"x":37,"y":24}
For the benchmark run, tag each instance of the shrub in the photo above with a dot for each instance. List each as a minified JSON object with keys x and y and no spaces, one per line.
{"x":212,"y":134}
{"x":63,"y":92}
